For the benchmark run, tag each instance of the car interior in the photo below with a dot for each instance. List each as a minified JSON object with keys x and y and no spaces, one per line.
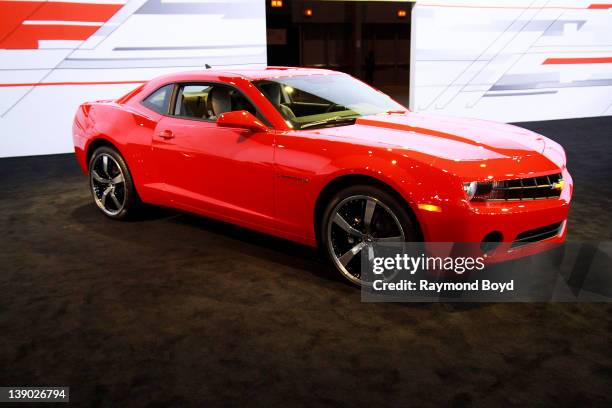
{"x":209,"y":101}
{"x":300,"y":107}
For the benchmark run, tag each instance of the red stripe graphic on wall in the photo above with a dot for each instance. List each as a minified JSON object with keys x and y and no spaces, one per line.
{"x":24,"y":23}
{"x":70,"y":83}
{"x":600,"y":6}
{"x":568,"y":61}
{"x":488,"y":6}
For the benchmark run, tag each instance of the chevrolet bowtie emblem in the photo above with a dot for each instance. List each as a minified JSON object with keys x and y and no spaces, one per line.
{"x":558,"y":185}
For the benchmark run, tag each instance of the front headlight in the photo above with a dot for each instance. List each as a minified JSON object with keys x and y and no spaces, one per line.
{"x":476,"y":190}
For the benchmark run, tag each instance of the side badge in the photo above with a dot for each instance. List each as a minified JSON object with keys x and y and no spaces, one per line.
{"x":294,"y":178}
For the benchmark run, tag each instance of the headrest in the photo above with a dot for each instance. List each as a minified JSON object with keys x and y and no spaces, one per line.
{"x":220,"y":100}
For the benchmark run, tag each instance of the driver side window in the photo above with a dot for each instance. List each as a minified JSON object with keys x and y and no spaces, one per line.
{"x":192,"y":101}
{"x":208,"y":101}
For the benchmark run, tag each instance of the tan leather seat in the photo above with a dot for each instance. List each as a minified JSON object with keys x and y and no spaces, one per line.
{"x":193,"y":106}
{"x":219,"y":101}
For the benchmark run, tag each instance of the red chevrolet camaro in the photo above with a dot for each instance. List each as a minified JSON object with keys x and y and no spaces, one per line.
{"x":318,"y":157}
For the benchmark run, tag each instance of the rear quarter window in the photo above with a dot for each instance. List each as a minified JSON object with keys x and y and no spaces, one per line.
{"x":159,"y":100}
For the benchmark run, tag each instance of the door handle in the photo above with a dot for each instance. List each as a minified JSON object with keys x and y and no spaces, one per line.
{"x":166,"y":134}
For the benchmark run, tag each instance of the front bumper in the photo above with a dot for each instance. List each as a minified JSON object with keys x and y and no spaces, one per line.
{"x":471,"y":222}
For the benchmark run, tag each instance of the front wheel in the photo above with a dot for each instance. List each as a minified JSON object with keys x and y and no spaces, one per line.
{"x":111,"y":183}
{"x":357,"y":218}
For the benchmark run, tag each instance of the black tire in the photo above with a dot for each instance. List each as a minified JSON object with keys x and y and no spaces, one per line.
{"x":112,"y":190}
{"x":388,"y":211}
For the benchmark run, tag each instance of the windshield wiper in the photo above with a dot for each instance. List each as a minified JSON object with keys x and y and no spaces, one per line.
{"x":335,"y":119}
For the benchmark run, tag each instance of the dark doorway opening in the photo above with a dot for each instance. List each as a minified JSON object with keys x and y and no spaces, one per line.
{"x":367,"y":39}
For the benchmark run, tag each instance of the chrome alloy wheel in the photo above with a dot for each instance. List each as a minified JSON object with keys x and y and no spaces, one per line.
{"x":107,"y":184}
{"x":356,"y":224}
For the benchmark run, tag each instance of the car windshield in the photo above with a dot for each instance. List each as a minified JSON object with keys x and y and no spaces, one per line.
{"x":308,"y":101}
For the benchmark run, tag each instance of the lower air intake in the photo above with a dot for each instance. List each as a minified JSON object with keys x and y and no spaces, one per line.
{"x":538,"y":234}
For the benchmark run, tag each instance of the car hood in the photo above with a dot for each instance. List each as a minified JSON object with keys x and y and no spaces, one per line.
{"x":467,"y":147}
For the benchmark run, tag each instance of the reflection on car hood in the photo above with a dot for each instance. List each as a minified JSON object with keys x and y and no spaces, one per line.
{"x":458,"y":145}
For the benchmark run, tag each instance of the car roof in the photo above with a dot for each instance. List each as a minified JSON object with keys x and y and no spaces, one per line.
{"x":248,"y":73}
{"x":279,"y":72}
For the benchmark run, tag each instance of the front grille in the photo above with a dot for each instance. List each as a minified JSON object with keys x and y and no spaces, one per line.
{"x":532,"y":188}
{"x":538,"y":234}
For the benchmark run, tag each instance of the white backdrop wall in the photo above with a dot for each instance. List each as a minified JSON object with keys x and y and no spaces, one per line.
{"x":512,"y":60}
{"x":55,"y":55}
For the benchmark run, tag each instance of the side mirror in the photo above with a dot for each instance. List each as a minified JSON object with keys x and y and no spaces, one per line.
{"x":241,"y":119}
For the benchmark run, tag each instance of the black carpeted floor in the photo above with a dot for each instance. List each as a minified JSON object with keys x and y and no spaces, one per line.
{"x":176,"y":310}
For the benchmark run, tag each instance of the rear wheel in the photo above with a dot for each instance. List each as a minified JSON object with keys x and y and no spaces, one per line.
{"x":111,"y":183}
{"x":357,"y":218}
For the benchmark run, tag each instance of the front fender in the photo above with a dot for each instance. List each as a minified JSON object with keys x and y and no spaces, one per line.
{"x":305,"y":167}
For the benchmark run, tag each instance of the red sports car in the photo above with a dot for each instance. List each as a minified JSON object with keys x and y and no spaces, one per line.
{"x":318,"y":157}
